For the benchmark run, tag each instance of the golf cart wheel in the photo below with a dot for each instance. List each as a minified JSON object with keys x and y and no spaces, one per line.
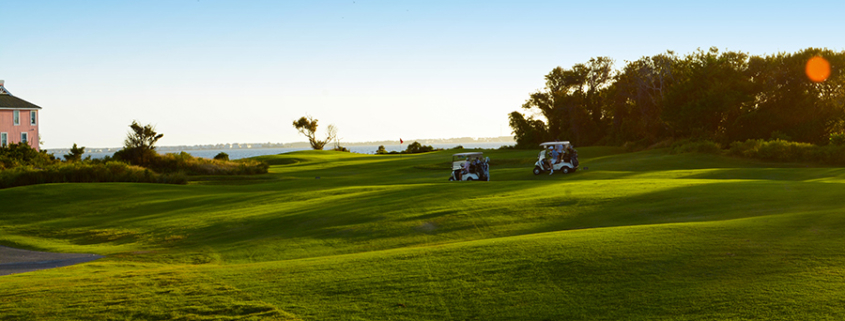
{"x":537,"y":170}
{"x":566,"y":170}
{"x":451,"y":179}
{"x":470,"y":179}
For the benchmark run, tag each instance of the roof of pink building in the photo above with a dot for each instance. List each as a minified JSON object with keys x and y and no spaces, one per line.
{"x":7,"y":100}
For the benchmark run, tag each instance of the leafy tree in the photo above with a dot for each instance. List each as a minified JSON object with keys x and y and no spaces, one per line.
{"x":710,"y":95}
{"x":381,"y":150}
{"x":416,"y":147}
{"x":221,"y":156}
{"x":308,"y":126}
{"x":75,"y":153}
{"x":139,"y":146}
{"x":528,"y":132}
{"x":574,"y":101}
{"x":141,"y":137}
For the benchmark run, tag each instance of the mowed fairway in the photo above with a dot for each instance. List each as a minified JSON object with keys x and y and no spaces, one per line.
{"x":339,"y":236}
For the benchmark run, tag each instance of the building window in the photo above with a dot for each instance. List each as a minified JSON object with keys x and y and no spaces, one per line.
{"x":24,"y":137}
{"x":32,"y":117}
{"x":4,"y":139}
{"x":17,"y":117}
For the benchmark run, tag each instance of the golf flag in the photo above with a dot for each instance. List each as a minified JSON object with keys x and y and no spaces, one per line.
{"x":401,"y":141}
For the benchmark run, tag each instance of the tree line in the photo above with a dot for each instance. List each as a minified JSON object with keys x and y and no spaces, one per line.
{"x":708,"y":95}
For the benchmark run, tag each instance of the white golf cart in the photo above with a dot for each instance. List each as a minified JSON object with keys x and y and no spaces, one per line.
{"x":470,"y":167}
{"x":565,"y":161}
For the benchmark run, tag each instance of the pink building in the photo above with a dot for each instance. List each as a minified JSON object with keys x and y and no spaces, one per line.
{"x":18,"y":120}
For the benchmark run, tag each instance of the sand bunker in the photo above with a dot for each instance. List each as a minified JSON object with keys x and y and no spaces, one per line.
{"x":18,"y":261}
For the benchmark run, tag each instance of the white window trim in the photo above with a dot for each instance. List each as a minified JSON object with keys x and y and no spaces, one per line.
{"x":16,"y":117}
{"x":6,"y":135}
{"x":33,"y":118}
{"x":27,"y":137}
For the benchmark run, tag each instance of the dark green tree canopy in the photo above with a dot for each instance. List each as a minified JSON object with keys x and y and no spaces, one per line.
{"x":720,"y":96}
{"x":141,"y":137}
{"x":75,"y":153}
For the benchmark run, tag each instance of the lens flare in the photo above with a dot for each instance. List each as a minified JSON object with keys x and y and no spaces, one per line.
{"x":818,"y":69}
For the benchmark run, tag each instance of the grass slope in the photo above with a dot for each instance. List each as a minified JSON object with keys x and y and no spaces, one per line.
{"x":328,"y":235}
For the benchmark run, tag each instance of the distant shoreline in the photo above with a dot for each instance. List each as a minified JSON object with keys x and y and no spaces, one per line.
{"x":505,"y":140}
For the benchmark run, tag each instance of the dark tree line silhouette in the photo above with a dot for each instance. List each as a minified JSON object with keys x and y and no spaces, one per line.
{"x":708,"y":95}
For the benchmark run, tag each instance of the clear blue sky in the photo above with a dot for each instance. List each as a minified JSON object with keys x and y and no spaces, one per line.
{"x":241,"y":71}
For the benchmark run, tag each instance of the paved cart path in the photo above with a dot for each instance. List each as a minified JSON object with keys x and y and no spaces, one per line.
{"x":18,"y":261}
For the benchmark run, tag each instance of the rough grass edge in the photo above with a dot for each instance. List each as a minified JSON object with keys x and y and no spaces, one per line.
{"x":85,"y":173}
{"x":776,"y":150}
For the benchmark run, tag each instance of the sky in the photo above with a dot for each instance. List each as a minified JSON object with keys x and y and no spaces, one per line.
{"x":208,"y":72}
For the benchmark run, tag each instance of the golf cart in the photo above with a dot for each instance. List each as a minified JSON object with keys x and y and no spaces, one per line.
{"x":566,"y":160}
{"x":470,"y":167}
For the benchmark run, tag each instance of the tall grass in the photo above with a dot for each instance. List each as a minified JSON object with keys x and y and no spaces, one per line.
{"x":77,"y":172}
{"x":184,"y":162}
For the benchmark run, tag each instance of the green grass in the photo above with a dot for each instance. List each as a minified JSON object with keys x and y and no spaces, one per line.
{"x":340,"y":236}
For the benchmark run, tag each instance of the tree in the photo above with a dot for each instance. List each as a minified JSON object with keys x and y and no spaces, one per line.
{"x":139,"y":146}
{"x":142,"y":137}
{"x":528,"y":132}
{"x":308,"y":126}
{"x":574,"y":102}
{"x":381,"y":150}
{"x":75,"y":153}
{"x":222,"y":156}
{"x":416,"y":147}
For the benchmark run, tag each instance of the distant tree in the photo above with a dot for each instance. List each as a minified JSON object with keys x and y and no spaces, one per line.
{"x":308,"y":126}
{"x":381,"y":150}
{"x":222,"y":156}
{"x":416,"y":147}
{"x":75,"y":153}
{"x":139,"y":146}
{"x":142,"y":137}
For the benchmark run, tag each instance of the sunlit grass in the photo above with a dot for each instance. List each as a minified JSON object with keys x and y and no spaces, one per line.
{"x":331,"y":235}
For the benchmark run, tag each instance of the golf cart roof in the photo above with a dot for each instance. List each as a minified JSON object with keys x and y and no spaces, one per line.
{"x":468,"y":154}
{"x":554,"y":143}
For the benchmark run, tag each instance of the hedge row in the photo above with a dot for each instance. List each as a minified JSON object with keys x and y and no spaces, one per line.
{"x":78,"y":172}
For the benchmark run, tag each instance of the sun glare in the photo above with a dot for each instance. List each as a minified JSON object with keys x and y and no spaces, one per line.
{"x":818,"y":69}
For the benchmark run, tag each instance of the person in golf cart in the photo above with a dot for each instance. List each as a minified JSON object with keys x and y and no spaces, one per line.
{"x":556,"y":156}
{"x":470,"y":167}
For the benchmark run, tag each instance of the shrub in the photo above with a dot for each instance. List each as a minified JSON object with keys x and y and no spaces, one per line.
{"x":79,"y":172}
{"x":21,"y":154}
{"x":416,"y":147}
{"x":697,"y":146}
{"x":184,"y":162}
{"x":837,"y":139}
{"x":785,"y":151}
{"x":381,"y":150}
{"x":222,"y":156}
{"x":139,"y":156}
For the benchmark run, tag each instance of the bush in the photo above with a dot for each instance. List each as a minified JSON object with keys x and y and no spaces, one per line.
{"x":222,"y":156}
{"x":698,"y":146}
{"x":21,"y":154}
{"x":785,"y":151}
{"x":837,"y":139}
{"x":184,"y":162}
{"x":416,"y":147}
{"x":139,"y":156}
{"x":78,"y":172}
